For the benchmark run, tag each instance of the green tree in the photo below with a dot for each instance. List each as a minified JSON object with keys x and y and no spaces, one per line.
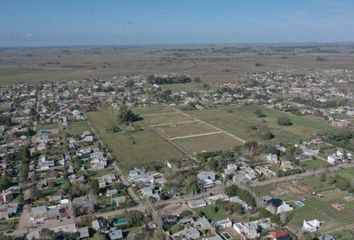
{"x":284,"y":121}
{"x":126,"y":116}
{"x":46,"y":234}
{"x":5,"y":182}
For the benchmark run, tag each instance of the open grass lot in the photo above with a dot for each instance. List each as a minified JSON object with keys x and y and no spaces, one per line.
{"x":185,"y":129}
{"x":153,"y":109}
{"x":243,"y":122}
{"x":15,"y":75}
{"x":313,"y":164}
{"x":183,"y":86}
{"x":76,"y":128}
{"x":210,"y":213}
{"x":165,"y":118}
{"x":132,"y":149}
{"x":213,"y":142}
{"x":321,"y":209}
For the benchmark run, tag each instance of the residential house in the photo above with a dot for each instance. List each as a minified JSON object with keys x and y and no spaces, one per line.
{"x":197,"y":203}
{"x":115,"y":235}
{"x":187,"y":233}
{"x":311,"y":226}
{"x":207,"y":178}
{"x":225,"y":223}
{"x":278,"y":234}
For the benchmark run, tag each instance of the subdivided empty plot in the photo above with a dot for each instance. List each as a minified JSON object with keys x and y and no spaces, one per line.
{"x":185,"y":129}
{"x":212,"y":142}
{"x":165,"y":118}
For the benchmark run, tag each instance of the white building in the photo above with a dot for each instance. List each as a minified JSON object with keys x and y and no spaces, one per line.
{"x":311,"y":226}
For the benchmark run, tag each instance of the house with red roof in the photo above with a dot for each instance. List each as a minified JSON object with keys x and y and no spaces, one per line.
{"x":278,"y":234}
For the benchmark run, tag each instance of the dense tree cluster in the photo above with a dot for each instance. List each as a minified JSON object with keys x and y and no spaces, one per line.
{"x":244,"y":195}
{"x":152,"y":79}
{"x":126,"y":116}
{"x":342,"y":138}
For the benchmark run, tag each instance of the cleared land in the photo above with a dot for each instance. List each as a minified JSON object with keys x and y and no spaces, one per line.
{"x":165,"y":118}
{"x":184,"y":129}
{"x":133,"y":149}
{"x":243,"y":122}
{"x":190,"y":134}
{"x":219,"y":141}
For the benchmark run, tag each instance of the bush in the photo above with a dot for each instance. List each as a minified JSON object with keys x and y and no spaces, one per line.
{"x":284,"y":121}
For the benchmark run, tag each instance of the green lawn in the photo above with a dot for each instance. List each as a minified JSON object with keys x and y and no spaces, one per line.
{"x":183,"y":86}
{"x":134,"y":149}
{"x":210,"y":213}
{"x":313,"y":164}
{"x":76,"y":128}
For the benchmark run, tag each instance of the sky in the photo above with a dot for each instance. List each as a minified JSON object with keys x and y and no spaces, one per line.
{"x":132,"y":22}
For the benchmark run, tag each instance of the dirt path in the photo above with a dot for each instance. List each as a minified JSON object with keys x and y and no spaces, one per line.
{"x":196,"y":135}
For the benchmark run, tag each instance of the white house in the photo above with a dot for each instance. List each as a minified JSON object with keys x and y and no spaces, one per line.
{"x":284,"y":207}
{"x":311,"y":226}
{"x":207,"y":178}
{"x":225,"y":223}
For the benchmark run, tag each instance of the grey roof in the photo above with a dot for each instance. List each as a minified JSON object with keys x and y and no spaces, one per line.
{"x":117,"y":234}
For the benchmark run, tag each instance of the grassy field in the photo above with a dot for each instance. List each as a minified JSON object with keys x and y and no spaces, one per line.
{"x":213,"y":64}
{"x":243,"y":122}
{"x":313,"y":164}
{"x":164,"y":118}
{"x":76,"y":128}
{"x":185,"y":129}
{"x":213,"y":142}
{"x":153,"y":109}
{"x":210,"y":213}
{"x":36,"y":75}
{"x":134,"y":149}
{"x":183,"y":86}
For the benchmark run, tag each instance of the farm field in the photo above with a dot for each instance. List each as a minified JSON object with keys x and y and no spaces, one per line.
{"x":132,"y":149}
{"x":243,"y":122}
{"x":77,"y":63}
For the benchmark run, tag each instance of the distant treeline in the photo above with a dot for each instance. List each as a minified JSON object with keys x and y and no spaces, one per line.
{"x":152,"y":79}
